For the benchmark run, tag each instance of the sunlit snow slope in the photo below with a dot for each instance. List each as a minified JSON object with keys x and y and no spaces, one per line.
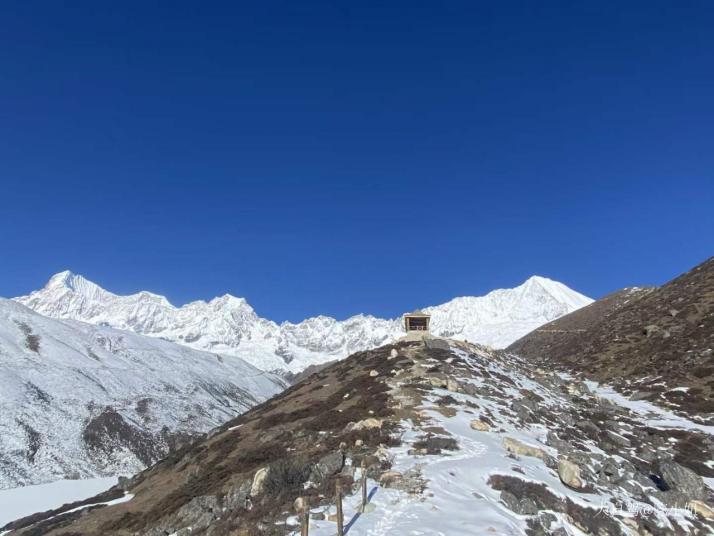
{"x":229,"y":325}
{"x":78,"y":400}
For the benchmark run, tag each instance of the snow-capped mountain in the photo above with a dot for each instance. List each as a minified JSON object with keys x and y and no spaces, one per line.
{"x":78,"y":400}
{"x":229,"y":325}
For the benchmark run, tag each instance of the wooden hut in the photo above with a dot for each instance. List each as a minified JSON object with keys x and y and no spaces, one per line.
{"x":416,"y":321}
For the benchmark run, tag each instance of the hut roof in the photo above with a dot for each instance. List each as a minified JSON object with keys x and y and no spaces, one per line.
{"x":418,"y":313}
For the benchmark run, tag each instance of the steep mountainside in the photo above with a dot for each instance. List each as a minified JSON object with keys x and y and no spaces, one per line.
{"x":229,"y":325}
{"x":78,"y":400}
{"x":657,"y":342}
{"x":453,"y":439}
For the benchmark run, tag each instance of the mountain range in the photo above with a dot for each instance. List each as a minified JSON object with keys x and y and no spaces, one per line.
{"x":228,"y":325}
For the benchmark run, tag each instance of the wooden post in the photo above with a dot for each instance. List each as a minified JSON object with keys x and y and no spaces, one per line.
{"x":338,"y":503}
{"x":305,"y":519}
{"x":364,"y":486}
{"x":302,"y":506}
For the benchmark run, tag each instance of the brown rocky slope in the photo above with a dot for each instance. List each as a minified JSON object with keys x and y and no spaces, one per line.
{"x":526,"y":449}
{"x":653,"y":343}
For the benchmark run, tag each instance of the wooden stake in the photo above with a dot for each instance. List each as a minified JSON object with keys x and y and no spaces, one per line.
{"x":302,"y":506}
{"x":338,"y":502}
{"x":364,"y":487}
{"x":305,"y":519}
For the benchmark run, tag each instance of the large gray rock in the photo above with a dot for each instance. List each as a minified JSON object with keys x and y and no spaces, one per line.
{"x":197,"y":514}
{"x":237,"y":497}
{"x":327,"y":466}
{"x":681,"y":479}
{"x":617,"y":439}
{"x":524,"y":506}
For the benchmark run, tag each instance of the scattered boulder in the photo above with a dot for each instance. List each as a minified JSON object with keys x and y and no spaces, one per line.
{"x":389,"y":476}
{"x":610,"y":470}
{"x":327,"y":466}
{"x":124,"y":483}
{"x":541,"y":525}
{"x":569,"y":474}
{"x":577,"y":389}
{"x":521,"y":449}
{"x":617,"y":439}
{"x":393,"y":354}
{"x":409,"y":482}
{"x":301,"y":504}
{"x":259,"y":481}
{"x":373,"y":373}
{"x":452,"y":385}
{"x":365,"y":424}
{"x":525,"y":410}
{"x":237,"y":497}
{"x":480,"y":426}
{"x":552,"y":440}
{"x":652,"y":330}
{"x":469,"y":389}
{"x":439,"y":344}
{"x":434,"y":444}
{"x":524,"y":506}
{"x":199,"y":512}
{"x":679,"y":478}
{"x":590,"y":428}
{"x":382,"y":455}
{"x":437,"y":382}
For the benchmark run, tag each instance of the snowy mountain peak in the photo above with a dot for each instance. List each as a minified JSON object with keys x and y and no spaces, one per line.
{"x":228,"y":324}
{"x":68,"y":280}
{"x":230,"y":301}
{"x":145,"y":295}
{"x":60,"y":279}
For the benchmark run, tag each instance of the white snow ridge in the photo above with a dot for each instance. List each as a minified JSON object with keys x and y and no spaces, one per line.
{"x":229,"y":325}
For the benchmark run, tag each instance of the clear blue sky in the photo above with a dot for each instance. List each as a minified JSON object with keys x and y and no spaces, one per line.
{"x":354,"y":157}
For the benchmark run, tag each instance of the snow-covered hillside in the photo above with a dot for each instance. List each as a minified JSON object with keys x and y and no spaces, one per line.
{"x":453,"y":439}
{"x":229,"y":325}
{"x":78,"y":400}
